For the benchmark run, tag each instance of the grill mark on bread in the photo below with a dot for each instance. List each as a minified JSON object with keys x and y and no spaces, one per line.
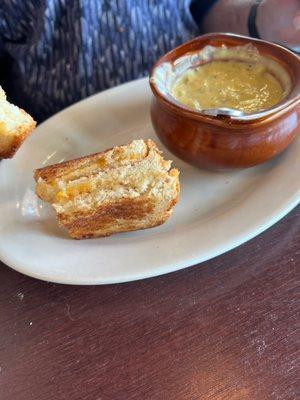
{"x":123,"y":209}
{"x":104,"y":217}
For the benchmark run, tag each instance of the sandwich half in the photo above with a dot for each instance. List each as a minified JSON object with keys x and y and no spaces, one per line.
{"x":123,"y":189}
{"x":15,"y":126}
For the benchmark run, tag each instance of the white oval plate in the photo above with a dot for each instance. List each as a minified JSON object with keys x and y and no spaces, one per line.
{"x":216,"y":212}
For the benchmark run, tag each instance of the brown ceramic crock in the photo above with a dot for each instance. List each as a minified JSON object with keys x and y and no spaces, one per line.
{"x":221,"y":142}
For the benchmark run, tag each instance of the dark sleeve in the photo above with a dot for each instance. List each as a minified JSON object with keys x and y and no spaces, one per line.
{"x":199,"y":9}
{"x":4,"y":63}
{"x":21,"y":22}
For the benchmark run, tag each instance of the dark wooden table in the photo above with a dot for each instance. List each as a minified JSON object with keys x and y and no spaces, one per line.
{"x":223,"y":330}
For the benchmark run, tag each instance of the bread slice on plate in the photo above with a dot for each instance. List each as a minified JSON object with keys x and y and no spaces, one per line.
{"x":122,"y":189}
{"x":15,"y":126}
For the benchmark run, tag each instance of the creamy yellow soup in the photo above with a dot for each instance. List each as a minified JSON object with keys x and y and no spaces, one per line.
{"x":248,"y":87}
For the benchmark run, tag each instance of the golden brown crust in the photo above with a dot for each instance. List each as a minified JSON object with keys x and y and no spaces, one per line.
{"x":122,"y":216}
{"x":60,"y":169}
{"x":11,"y":143}
{"x":128,"y":228}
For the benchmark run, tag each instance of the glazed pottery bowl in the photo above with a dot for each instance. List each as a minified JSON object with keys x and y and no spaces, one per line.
{"x":224,"y":142}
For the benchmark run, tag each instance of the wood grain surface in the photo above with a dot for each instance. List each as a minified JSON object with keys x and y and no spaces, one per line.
{"x":225,"y":329}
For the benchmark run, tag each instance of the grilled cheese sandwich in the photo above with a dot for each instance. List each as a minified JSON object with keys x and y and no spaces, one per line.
{"x":122,"y":189}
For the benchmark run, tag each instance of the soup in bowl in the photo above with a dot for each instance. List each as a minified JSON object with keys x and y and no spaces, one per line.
{"x":226,"y":101}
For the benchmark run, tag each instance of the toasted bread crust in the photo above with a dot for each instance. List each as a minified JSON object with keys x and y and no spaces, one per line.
{"x":58,"y":170}
{"x":79,"y":234}
{"x":10,"y":143}
{"x":123,"y":216}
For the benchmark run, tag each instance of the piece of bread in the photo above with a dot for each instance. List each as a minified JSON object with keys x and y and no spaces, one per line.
{"x":15,"y":126}
{"x":122,"y":189}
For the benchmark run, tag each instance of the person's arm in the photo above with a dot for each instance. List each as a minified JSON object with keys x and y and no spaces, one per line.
{"x":276,"y":20}
{"x":228,"y":16}
{"x":279,"y":21}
